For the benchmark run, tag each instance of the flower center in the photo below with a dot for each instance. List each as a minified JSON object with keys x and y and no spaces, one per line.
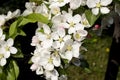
{"x":1,"y":56}
{"x":56,"y":10}
{"x":48,"y":36}
{"x":77,"y":36}
{"x":55,"y":52}
{"x":98,"y":5}
{"x":69,"y":47}
{"x":60,"y":1}
{"x":72,"y":24}
{"x":85,"y":22}
{"x":7,"y":48}
{"x":60,"y":39}
{"x":50,"y":60}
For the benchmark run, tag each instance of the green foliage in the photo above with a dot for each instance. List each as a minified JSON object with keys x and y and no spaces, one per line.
{"x":16,"y":27}
{"x":91,"y":17}
{"x":9,"y":72}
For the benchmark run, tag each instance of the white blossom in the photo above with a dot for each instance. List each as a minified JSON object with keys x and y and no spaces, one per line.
{"x":97,"y":5}
{"x":51,"y":75}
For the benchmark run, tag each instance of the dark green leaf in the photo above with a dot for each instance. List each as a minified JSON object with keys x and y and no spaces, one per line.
{"x":12,"y":71}
{"x":13,"y":28}
{"x":38,"y":17}
{"x":19,"y":54}
{"x":91,"y":17}
{"x":26,"y":21}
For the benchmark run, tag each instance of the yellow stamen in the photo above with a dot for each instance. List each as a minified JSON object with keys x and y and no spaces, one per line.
{"x":60,"y":39}
{"x":1,"y":56}
{"x":98,"y":5}
{"x":69,"y":47}
{"x":77,"y":36}
{"x":72,"y":24}
{"x":60,"y":1}
{"x":85,"y":22}
{"x":50,"y":60}
{"x":48,"y":36}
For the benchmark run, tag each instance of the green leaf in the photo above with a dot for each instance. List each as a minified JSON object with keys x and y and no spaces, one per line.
{"x":38,"y":17}
{"x":91,"y":17}
{"x":26,"y":21}
{"x":87,"y":70}
{"x":12,"y":71}
{"x":2,"y":74}
{"x":21,"y":32}
{"x":13,"y":28}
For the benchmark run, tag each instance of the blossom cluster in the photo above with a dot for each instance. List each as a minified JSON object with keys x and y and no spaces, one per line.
{"x":6,"y":46}
{"x":56,"y":42}
{"x":62,"y":39}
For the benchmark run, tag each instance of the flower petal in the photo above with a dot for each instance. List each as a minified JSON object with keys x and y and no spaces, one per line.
{"x":49,"y":66}
{"x":77,"y":18}
{"x":106,"y":2}
{"x":3,"y":62}
{"x":104,"y":10}
{"x":95,"y":11}
{"x":13,"y":50}
{"x":74,"y":4}
{"x":10,"y":42}
{"x":91,"y":3}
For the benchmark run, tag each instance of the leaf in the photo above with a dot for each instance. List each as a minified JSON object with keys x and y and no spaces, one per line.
{"x":26,"y":21}
{"x":38,"y":17}
{"x":91,"y":17}
{"x":21,"y":32}
{"x":13,"y":28}
{"x":12,"y":71}
{"x":2,"y":74}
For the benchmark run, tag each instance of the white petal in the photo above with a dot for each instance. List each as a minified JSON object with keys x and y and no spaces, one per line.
{"x":104,"y":10}
{"x":83,"y":32}
{"x":3,"y":37}
{"x":47,"y":43}
{"x":55,"y":36}
{"x":106,"y":2}
{"x":79,"y":27}
{"x":91,"y":3}
{"x":13,"y":50}
{"x":10,"y":42}
{"x":1,"y":32}
{"x":43,"y":61}
{"x":71,"y":30}
{"x":34,"y":67}
{"x":68,"y":55}
{"x":46,"y":29}
{"x":56,"y":61}
{"x":7,"y":54}
{"x":54,"y":78}
{"x":41,"y":36}
{"x":49,"y":66}
{"x":76,"y":50}
{"x":56,"y":44}
{"x":39,"y":71}
{"x":95,"y":11}
{"x":74,"y":4}
{"x":61,"y":32}
{"x":3,"y":62}
{"x":27,"y":12}
{"x":67,"y":37}
{"x":77,"y":18}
